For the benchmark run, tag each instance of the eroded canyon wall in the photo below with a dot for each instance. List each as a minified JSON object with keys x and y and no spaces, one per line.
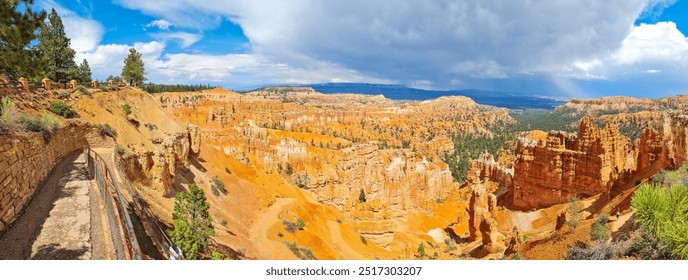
{"x":592,"y":161}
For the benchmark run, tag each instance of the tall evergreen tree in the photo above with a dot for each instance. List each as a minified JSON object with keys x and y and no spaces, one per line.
{"x":57,"y":55}
{"x":17,"y":30}
{"x":84,"y":72}
{"x":193,"y":225}
{"x":133,"y":71}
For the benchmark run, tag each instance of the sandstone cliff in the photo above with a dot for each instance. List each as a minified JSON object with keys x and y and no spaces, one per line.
{"x":591,"y":162}
{"x":482,"y":222}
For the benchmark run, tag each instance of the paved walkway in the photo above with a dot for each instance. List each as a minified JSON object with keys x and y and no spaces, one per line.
{"x":62,"y":221}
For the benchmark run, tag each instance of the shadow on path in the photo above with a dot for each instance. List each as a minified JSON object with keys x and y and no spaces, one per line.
{"x":16,"y":242}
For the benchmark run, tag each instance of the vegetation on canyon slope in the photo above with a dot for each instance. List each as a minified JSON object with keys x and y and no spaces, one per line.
{"x":662,"y":213}
{"x":193,"y":225}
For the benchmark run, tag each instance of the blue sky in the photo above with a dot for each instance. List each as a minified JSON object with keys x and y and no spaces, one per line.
{"x":585,"y":48}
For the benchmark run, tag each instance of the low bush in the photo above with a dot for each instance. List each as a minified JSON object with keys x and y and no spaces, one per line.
{"x":289,"y":226}
{"x":574,"y":212}
{"x":126,"y":108}
{"x":109,"y":88}
{"x":363,"y":240}
{"x":62,"y":109}
{"x":9,"y":116}
{"x":600,"y":232}
{"x":299,"y":224}
{"x":215,"y":255}
{"x":44,"y":123}
{"x":601,"y":251}
{"x":106,"y":130}
{"x":217,"y":183}
{"x":302,"y":253}
{"x":83,"y":90}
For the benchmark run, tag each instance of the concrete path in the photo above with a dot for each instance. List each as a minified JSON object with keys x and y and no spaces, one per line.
{"x":63,"y":220}
{"x":66,"y":232}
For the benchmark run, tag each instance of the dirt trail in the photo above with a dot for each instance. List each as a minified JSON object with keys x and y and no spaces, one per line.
{"x":260,"y":228}
{"x":57,"y":223}
{"x":617,"y":224}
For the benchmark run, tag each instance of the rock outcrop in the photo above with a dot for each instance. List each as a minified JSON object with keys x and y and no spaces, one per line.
{"x":482,"y":224}
{"x":486,"y":168}
{"x":194,"y":138}
{"x":158,"y":166}
{"x":591,"y":162}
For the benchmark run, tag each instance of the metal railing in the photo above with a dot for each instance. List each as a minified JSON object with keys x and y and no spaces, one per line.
{"x":119,"y":221}
{"x":158,"y":234}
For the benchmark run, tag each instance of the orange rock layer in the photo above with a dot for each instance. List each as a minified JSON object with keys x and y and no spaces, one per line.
{"x":593,"y":161}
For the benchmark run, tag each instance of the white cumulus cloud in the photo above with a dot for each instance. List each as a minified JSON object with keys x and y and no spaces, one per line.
{"x":186,"y":39}
{"x":160,"y":23}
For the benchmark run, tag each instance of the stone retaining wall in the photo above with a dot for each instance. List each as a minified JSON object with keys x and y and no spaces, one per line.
{"x":26,"y":160}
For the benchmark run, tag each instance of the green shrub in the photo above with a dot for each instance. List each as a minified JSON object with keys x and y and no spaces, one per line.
{"x":574,"y":212}
{"x":62,"y":109}
{"x":300,"y":224}
{"x":600,"y":232}
{"x":294,"y":249}
{"x":215,"y":255}
{"x":307,"y":254}
{"x":663,"y":214}
{"x":219,"y":184}
{"x":193,"y":225}
{"x":109,"y":88}
{"x":421,"y":250}
{"x":302,"y":253}
{"x":126,"y":108}
{"x":603,"y":218}
{"x":83,"y":90}
{"x":288,"y":170}
{"x":45,"y":123}
{"x":106,"y":130}
{"x":361,"y":196}
{"x":9,"y":115}
{"x":223,"y":223}
{"x":289,"y":226}
{"x":659,"y":177}
{"x":301,"y":180}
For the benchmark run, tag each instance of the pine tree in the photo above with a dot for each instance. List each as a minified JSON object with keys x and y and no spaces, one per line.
{"x":133,"y":71}
{"x":84,"y":72}
{"x":193,"y":225}
{"x":17,"y":30}
{"x":56,"y":54}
